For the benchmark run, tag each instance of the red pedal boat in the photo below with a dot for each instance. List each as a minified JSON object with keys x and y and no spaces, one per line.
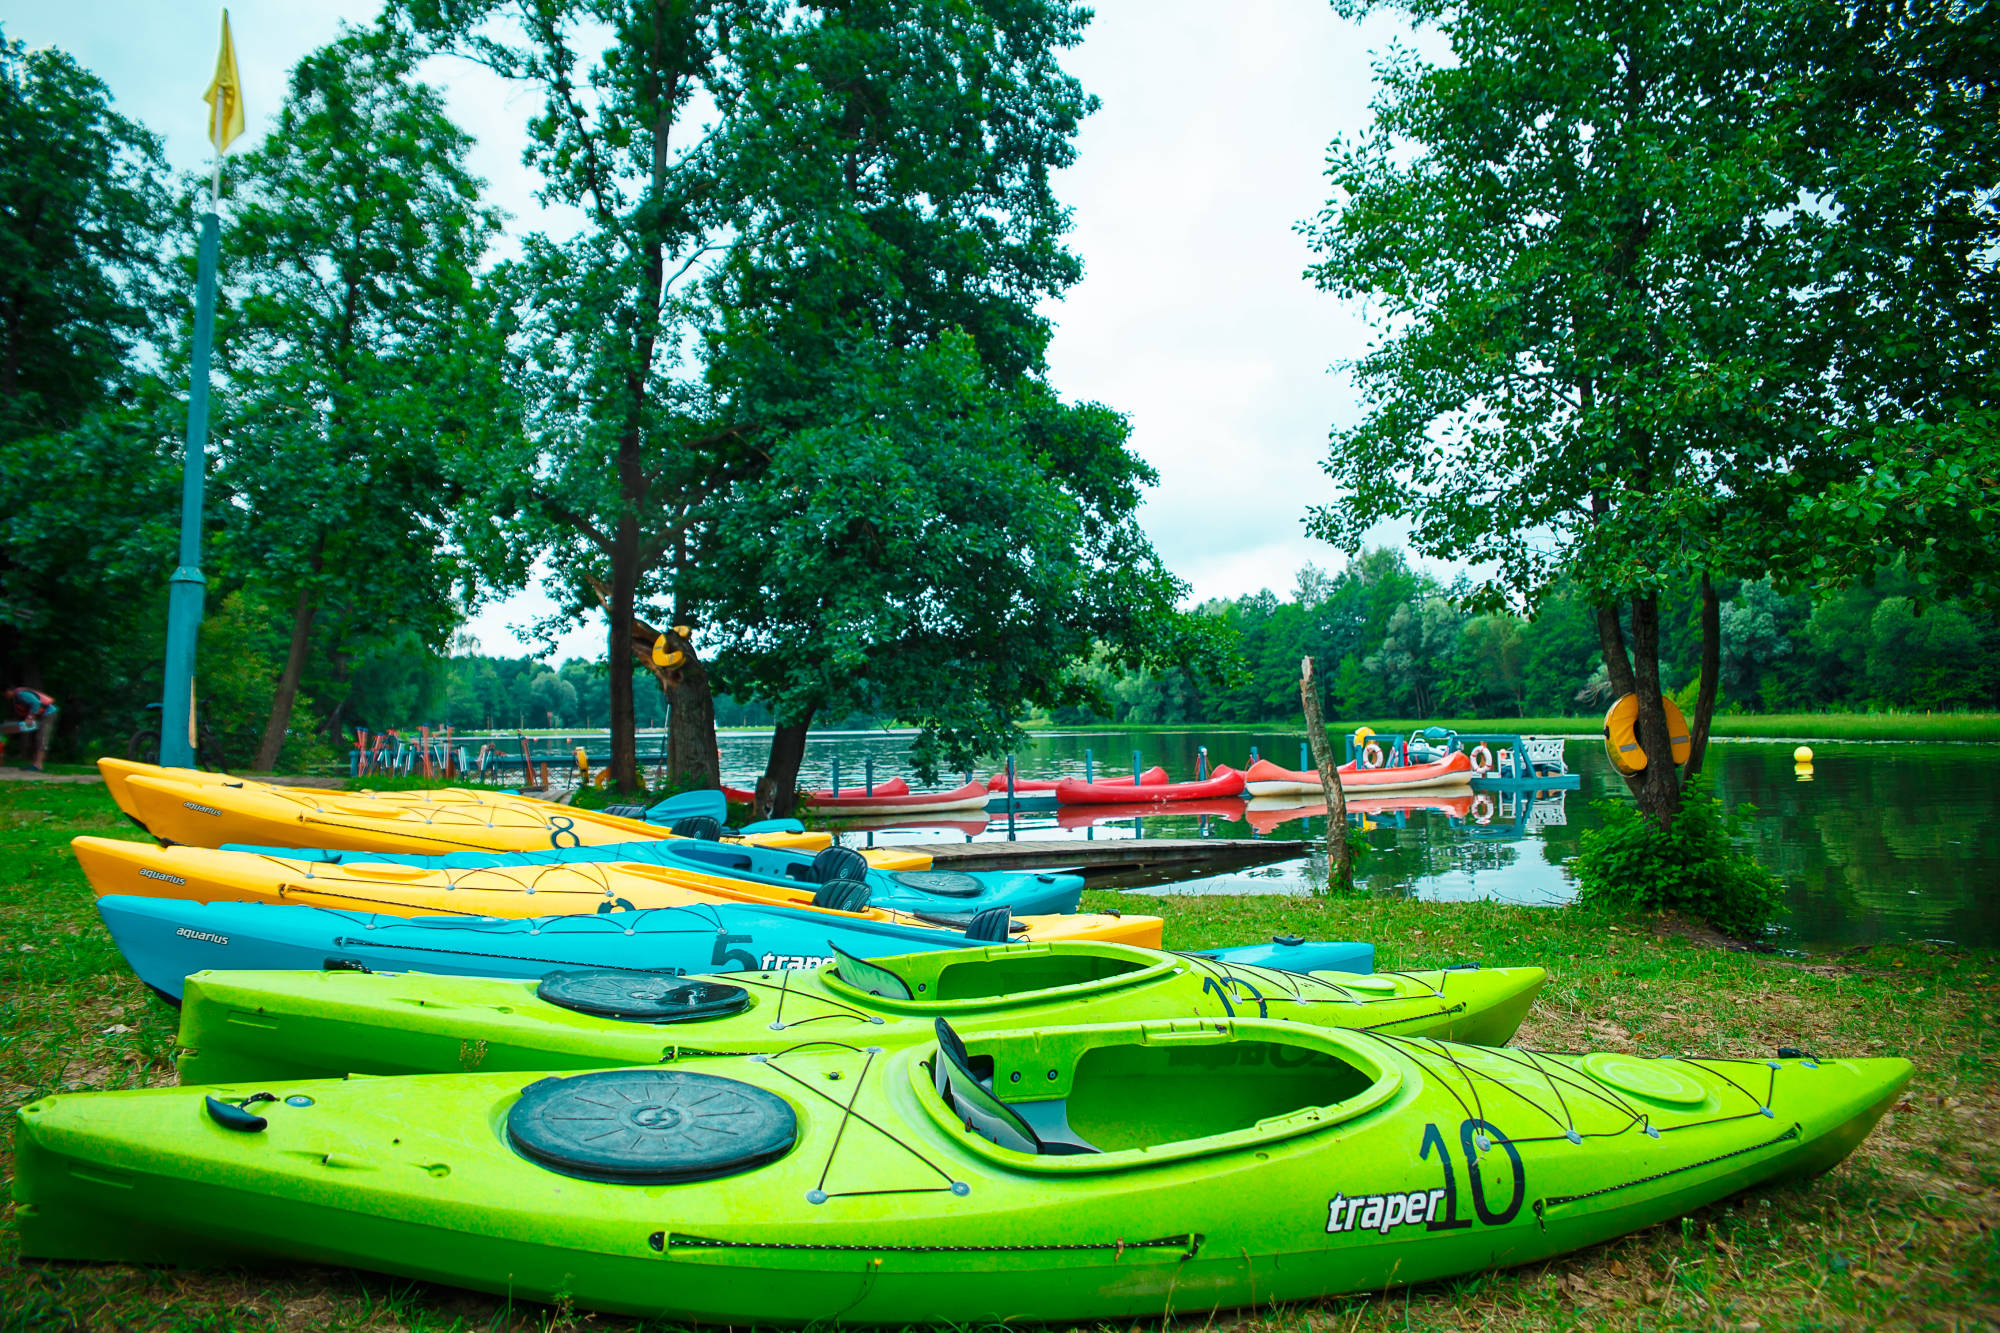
{"x":1152,"y":777}
{"x":886,"y":787}
{"x":1225,"y":781}
{"x":1090,"y":816}
{"x":1265,"y":778}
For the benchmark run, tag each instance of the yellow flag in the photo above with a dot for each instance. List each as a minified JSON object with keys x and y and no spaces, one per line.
{"x":225,"y":95}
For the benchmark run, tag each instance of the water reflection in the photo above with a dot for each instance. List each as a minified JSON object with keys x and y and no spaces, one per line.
{"x":1886,"y":842}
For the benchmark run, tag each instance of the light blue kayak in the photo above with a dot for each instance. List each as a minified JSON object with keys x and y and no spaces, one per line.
{"x":166,"y":939}
{"x":1027,"y":893}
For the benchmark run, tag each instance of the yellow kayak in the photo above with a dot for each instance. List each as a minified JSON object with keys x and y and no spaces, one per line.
{"x":118,"y":773}
{"x":199,"y":874}
{"x":203,"y":811}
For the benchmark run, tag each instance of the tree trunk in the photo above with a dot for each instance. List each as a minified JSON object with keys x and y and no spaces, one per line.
{"x":624,"y":592}
{"x":778,"y":789}
{"x":691,"y":757}
{"x":303,"y":611}
{"x":1657,"y":786}
{"x":331,"y":727}
{"x":1711,"y":671}
{"x":1339,"y":861}
{"x":1611,"y":641}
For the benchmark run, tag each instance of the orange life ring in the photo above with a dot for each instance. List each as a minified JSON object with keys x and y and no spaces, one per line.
{"x":1371,"y":755}
{"x":1482,"y":758}
{"x":1482,"y":808}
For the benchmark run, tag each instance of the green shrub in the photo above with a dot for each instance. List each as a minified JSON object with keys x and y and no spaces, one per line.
{"x":1694,"y":867}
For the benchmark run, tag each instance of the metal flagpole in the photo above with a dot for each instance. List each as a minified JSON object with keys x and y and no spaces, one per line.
{"x":187,"y":587}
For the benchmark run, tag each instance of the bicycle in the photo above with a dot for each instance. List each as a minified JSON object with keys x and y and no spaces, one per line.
{"x":144,"y":745}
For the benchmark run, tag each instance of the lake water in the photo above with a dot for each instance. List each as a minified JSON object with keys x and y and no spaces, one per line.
{"x":1885,"y":842}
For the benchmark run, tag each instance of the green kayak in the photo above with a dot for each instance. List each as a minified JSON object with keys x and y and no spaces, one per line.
{"x":1116,"y":1171}
{"x":238,"y":1025}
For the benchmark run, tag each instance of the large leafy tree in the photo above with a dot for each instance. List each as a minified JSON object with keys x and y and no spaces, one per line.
{"x":620,"y":447}
{"x":930,"y":533}
{"x":1604,"y":354}
{"x":357,"y":357}
{"x":86,"y":435}
{"x":793,"y":219}
{"x":944,"y":552}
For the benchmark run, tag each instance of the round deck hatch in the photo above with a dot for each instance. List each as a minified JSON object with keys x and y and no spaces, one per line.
{"x":1366,"y":985}
{"x":650,"y":1126}
{"x":1655,"y":1080}
{"x":641,"y":997}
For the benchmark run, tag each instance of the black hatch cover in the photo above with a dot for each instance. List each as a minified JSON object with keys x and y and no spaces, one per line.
{"x":641,"y":997}
{"x":650,"y":1126}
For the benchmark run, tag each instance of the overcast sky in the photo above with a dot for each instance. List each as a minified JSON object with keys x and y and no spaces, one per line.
{"x":1193,"y":317}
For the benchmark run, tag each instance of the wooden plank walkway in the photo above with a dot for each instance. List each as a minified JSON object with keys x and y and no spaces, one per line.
{"x":1113,"y":856}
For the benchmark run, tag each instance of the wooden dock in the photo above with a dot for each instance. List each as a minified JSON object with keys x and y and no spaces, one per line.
{"x":1178,"y":858}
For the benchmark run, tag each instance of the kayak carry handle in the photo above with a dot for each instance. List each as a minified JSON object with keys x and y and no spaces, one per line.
{"x":235,"y":1117}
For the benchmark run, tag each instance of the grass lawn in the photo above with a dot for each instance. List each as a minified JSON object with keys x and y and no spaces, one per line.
{"x":1901,"y":1235}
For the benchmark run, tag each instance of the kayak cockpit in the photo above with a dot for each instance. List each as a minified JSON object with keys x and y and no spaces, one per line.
{"x":1007,"y":974}
{"x":1133,"y":1095}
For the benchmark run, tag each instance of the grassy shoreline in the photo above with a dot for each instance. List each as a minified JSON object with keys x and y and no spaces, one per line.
{"x":1905,"y":1234}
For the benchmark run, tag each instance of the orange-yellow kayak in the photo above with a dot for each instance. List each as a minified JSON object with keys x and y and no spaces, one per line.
{"x":200,"y":874}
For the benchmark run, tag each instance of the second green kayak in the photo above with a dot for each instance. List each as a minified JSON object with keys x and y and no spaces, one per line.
{"x":237,"y":1025}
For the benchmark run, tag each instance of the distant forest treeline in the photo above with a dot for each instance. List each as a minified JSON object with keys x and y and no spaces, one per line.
{"x":1397,"y":642}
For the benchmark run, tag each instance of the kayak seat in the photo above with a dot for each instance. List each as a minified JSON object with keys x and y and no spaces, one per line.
{"x":837,"y":862}
{"x":641,"y":997}
{"x":626,"y":811}
{"x":967,"y":920}
{"x":865,"y":976}
{"x":992,"y":925}
{"x":1041,"y":1128}
{"x":707,"y":828}
{"x":650,"y":1126}
{"x":843,"y":895}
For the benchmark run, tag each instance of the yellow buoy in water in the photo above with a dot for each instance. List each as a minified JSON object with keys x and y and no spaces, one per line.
{"x":1802,"y":755}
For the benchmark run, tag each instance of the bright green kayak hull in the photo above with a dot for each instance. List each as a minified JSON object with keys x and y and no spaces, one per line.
{"x":238,"y":1025}
{"x":1241,"y":1162}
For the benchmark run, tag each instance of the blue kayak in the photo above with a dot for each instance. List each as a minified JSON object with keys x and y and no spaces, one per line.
{"x":1028,"y":893}
{"x":165,"y":939}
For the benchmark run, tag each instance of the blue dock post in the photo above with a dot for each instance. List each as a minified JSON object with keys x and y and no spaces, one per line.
{"x":836,"y":775}
{"x":1010,"y":798}
{"x":868,"y":778}
{"x":1086,"y":767}
{"x":1135,"y":768}
{"x":1253,"y":754}
{"x":1303,"y":758}
{"x":1201,"y":763}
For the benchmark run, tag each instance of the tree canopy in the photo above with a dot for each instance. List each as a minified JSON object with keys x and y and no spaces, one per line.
{"x":1609,"y":351}
{"x":353,"y":356}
